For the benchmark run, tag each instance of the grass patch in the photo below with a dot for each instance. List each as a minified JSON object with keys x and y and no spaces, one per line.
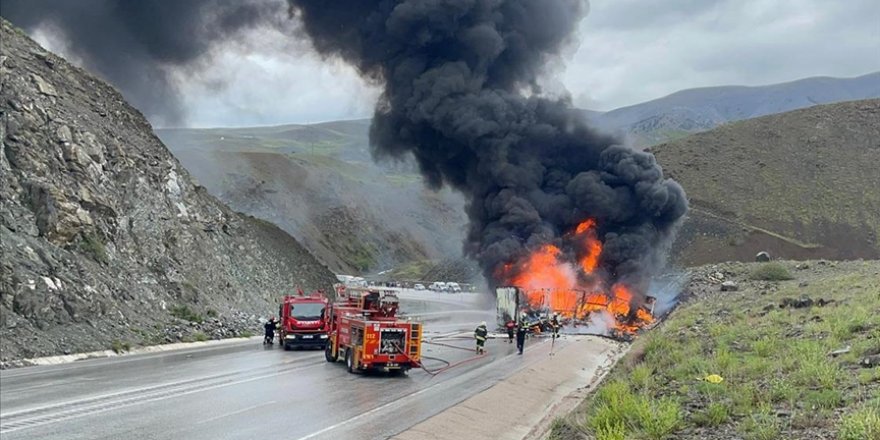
{"x":120,"y":347}
{"x":200,"y":336}
{"x":246,"y":334}
{"x":760,"y":426}
{"x":771,"y":272}
{"x":716,"y":414}
{"x":91,"y":245}
{"x":861,"y":424}
{"x":185,"y":313}
{"x":779,"y":379}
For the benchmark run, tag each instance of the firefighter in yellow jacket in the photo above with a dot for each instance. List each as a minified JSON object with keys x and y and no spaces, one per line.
{"x":480,"y":335}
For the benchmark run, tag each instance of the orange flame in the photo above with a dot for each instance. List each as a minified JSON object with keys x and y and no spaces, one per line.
{"x":591,"y":246}
{"x":550,"y":283}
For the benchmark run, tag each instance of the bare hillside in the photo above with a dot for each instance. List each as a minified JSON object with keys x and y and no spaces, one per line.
{"x":801,"y":184}
{"x":105,"y":238}
{"x":319,"y":183}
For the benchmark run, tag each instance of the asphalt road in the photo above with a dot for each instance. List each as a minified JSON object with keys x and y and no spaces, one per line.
{"x":244,"y":391}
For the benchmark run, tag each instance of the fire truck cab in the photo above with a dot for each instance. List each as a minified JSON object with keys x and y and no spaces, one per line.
{"x":303,"y":321}
{"x":366,"y":332}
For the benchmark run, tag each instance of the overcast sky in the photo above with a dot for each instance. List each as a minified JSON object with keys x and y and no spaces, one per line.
{"x":630,"y":51}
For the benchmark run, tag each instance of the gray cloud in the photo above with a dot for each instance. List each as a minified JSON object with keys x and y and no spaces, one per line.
{"x":632,"y":51}
{"x":629,"y":51}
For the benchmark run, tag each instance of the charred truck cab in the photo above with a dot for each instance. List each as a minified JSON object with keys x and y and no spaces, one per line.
{"x":304,"y":321}
{"x":366,"y":333}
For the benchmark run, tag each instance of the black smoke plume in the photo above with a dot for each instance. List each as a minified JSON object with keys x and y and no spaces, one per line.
{"x":136,"y":44}
{"x":461,"y":93}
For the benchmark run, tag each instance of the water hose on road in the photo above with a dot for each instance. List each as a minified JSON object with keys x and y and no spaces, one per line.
{"x":448,"y":364}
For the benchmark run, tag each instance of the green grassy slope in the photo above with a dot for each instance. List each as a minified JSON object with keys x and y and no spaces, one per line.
{"x":780,"y":380}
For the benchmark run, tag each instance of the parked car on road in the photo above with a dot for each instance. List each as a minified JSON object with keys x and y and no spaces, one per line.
{"x":453,"y":287}
{"x":419,"y":286}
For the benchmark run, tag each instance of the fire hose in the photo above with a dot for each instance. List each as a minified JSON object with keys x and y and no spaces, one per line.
{"x":448,"y":364}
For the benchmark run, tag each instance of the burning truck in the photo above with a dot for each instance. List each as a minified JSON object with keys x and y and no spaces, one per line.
{"x":567,"y":280}
{"x":577,"y":220}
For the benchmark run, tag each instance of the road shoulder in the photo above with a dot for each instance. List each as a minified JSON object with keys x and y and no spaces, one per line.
{"x":524,"y":405}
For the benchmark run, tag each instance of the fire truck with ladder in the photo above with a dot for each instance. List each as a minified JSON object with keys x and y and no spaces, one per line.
{"x":366,"y":332}
{"x":303,"y":320}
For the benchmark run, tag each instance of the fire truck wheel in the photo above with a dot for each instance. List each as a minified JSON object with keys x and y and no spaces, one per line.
{"x":349,"y":361}
{"x":328,"y":353}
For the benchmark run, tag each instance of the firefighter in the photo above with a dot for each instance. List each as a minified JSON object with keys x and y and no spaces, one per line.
{"x":521,"y":331}
{"x":480,"y":335}
{"x":270,"y":326}
{"x":554,"y":324}
{"x":511,"y":328}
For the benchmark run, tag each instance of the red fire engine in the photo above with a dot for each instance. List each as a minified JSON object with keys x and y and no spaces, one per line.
{"x":365,"y":331}
{"x":303,"y":321}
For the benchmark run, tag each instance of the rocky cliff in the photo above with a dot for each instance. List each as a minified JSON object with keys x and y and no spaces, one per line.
{"x":106,"y":240}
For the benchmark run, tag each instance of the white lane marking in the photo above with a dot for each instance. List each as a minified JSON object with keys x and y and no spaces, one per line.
{"x":251,"y":408}
{"x":412,"y":395}
{"x":135,"y":357}
{"x":362,"y":415}
{"x":34,"y":387}
{"x":111,"y":395}
{"x":133,"y":401}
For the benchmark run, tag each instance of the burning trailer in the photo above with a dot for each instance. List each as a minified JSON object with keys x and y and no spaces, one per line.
{"x":579,"y":311}
{"x":567,"y":279}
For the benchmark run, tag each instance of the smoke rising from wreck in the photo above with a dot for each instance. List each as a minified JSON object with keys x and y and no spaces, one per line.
{"x":136,"y":45}
{"x":461,"y":93}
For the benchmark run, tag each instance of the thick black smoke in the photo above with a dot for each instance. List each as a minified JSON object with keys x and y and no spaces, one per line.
{"x":461,"y":94}
{"x":136,"y":44}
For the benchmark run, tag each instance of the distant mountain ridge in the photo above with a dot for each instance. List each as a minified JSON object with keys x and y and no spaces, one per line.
{"x":695,"y":110}
{"x":319,"y":183}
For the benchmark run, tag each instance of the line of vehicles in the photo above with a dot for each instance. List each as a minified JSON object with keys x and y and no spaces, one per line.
{"x":360,"y":326}
{"x":440,"y":286}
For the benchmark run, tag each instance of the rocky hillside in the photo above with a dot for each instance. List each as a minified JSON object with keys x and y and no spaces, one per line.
{"x":802,"y":184}
{"x":320,"y":184}
{"x":105,"y":238}
{"x":696,"y":110}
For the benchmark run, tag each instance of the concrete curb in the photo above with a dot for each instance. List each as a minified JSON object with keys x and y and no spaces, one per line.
{"x":524,"y":405}
{"x":68,"y":358}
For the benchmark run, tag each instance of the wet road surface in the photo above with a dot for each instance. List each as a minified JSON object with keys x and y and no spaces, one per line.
{"x":244,"y":390}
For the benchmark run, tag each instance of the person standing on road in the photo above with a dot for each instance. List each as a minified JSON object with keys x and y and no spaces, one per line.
{"x":480,"y":334}
{"x":521,"y":331}
{"x":511,"y":328}
{"x":554,"y":324}
{"x":270,"y":326}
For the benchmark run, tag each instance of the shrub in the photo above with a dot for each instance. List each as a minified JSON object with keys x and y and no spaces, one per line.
{"x":614,"y":431}
{"x":200,"y":336}
{"x":185,"y":313}
{"x":119,"y":346}
{"x":716,"y":414}
{"x":659,"y":419}
{"x":642,"y":377}
{"x":761,"y":426}
{"x":861,"y":424}
{"x":92,"y":246}
{"x":823,"y":399}
{"x":771,"y":272}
